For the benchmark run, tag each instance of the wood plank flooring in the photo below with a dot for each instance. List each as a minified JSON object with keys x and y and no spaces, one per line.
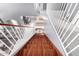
{"x":39,"y":45}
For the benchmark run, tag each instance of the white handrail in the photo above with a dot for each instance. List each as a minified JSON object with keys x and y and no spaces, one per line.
{"x":69,"y":18}
{"x":73,"y":49}
{"x":65,"y":16}
{"x":69,"y":34}
{"x":6,"y":37}
{"x":72,"y":40}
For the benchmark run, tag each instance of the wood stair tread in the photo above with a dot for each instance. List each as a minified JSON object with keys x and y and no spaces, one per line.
{"x":39,"y":45}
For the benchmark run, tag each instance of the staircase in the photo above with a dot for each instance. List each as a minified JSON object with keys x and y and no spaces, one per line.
{"x":39,"y":45}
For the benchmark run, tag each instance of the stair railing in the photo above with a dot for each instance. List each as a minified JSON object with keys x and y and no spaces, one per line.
{"x":13,"y":37}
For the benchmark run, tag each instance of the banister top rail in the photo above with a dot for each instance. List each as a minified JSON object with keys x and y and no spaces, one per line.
{"x":28,"y":26}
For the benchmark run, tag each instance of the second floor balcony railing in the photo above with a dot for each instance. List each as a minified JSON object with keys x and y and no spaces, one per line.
{"x":12,"y":37}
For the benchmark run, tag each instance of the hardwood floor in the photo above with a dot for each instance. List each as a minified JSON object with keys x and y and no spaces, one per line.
{"x":39,"y":45}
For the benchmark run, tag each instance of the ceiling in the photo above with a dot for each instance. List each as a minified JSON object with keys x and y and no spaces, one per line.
{"x":10,"y":11}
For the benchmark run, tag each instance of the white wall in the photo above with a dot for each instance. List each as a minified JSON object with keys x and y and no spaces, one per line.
{"x":15,"y":10}
{"x":50,"y":32}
